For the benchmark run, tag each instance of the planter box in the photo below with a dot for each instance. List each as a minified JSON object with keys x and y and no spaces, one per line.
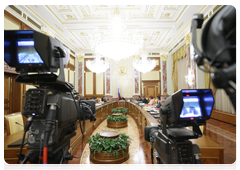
{"x":109,"y":159}
{"x":116,"y":114}
{"x":112,"y":124}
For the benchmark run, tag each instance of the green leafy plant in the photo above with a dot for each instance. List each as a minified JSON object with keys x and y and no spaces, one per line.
{"x":109,"y":145}
{"x":124,"y":110}
{"x":116,"y":110}
{"x":117,"y":118}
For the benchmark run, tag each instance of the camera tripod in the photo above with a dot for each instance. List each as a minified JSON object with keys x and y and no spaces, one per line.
{"x":57,"y":154}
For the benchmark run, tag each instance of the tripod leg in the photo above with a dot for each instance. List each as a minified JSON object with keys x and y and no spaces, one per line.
{"x":26,"y":157}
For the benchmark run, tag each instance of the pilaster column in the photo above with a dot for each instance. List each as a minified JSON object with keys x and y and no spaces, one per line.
{"x":164,"y":73}
{"x":80,"y":75}
{"x":136,"y":82}
{"x":108,"y":80}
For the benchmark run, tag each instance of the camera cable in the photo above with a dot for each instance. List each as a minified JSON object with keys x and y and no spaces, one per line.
{"x":26,"y":128}
{"x":49,"y":122}
{"x":79,"y":117}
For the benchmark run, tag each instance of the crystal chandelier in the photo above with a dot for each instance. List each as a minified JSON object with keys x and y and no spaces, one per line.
{"x":144,"y":65}
{"x":190,"y":77}
{"x":116,"y":44}
{"x":97,"y":65}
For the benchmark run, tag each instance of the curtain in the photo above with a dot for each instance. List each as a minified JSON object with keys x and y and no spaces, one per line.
{"x":222,"y":102}
{"x":179,"y":54}
{"x":175,"y":77}
{"x":182,"y":72}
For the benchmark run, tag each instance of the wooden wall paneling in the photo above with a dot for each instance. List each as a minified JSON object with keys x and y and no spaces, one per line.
{"x":7,"y":94}
{"x":151,"y":91}
{"x":85,"y":84}
{"x":140,"y":90}
{"x":158,"y":67}
{"x":136,"y":114}
{"x":139,"y":118}
{"x":98,"y":118}
{"x":77,"y":138}
{"x":156,"y":91}
{"x":143,"y":122}
{"x":17,"y":96}
{"x":94,"y":84}
{"x":159,"y":93}
{"x":224,"y":116}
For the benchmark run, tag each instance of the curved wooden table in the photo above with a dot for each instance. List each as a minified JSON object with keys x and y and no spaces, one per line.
{"x":211,"y":151}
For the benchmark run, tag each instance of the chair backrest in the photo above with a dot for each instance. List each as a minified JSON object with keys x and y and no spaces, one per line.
{"x":11,"y":125}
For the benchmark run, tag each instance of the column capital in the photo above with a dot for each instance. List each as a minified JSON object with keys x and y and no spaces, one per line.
{"x":80,"y":58}
{"x":136,"y":57}
{"x":187,"y":39}
{"x":164,"y":57}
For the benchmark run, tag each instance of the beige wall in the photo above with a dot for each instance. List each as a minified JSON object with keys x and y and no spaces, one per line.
{"x":126,"y":82}
{"x":89,"y":82}
{"x":99,"y":83}
{"x":169,"y":75}
{"x":71,"y":77}
{"x":9,"y":25}
{"x":152,"y":75}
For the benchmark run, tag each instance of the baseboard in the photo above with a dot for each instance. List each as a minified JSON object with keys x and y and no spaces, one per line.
{"x":224,"y":116}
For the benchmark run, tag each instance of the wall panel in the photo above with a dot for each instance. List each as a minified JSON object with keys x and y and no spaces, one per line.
{"x":152,"y":75}
{"x":99,"y":83}
{"x":9,"y":25}
{"x":89,"y":83}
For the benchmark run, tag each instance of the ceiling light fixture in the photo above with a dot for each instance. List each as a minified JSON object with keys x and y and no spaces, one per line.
{"x":144,"y":65}
{"x":117,"y":44}
{"x":97,"y":65}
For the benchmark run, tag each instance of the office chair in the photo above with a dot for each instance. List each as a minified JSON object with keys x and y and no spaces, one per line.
{"x":11,"y":120}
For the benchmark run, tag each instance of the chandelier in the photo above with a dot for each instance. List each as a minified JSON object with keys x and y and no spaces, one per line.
{"x":144,"y":65}
{"x":116,"y":44}
{"x":190,"y":77}
{"x":97,"y":65}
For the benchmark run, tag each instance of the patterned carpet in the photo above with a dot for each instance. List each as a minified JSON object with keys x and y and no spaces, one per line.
{"x":131,"y":130}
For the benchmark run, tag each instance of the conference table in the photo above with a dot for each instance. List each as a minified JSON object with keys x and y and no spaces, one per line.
{"x":212,"y":153}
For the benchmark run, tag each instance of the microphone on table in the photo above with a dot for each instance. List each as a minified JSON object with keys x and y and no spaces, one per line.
{"x":19,"y":124}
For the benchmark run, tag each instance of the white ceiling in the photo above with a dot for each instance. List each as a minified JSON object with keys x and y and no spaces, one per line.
{"x":162,"y":26}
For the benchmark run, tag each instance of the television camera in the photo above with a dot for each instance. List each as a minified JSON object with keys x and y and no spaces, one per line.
{"x":215,"y":48}
{"x":52,"y":108}
{"x":191,"y":107}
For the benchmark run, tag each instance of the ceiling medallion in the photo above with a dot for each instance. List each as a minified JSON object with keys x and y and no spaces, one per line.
{"x":116,"y":44}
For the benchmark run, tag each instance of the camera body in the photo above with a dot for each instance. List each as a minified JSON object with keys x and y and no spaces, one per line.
{"x":52,"y":108}
{"x":187,"y":107}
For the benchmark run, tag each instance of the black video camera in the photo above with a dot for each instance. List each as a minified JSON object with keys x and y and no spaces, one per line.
{"x":51,"y":108}
{"x":215,"y":47}
{"x":188,"y":107}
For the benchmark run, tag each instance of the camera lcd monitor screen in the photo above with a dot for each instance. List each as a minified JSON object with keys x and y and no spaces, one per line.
{"x":27,"y":53}
{"x":191,"y":107}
